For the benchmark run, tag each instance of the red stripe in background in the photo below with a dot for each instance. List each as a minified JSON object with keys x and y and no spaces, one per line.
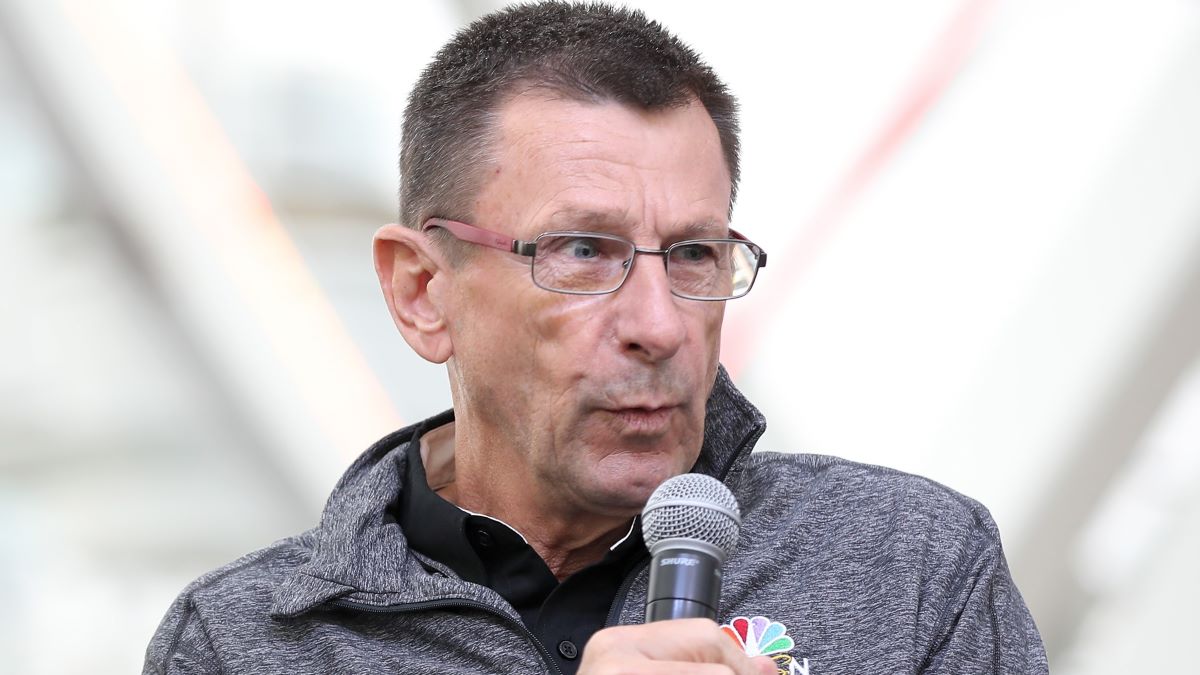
{"x":938,"y":69}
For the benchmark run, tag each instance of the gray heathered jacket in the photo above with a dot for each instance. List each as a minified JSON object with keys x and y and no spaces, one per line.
{"x":865,"y":569}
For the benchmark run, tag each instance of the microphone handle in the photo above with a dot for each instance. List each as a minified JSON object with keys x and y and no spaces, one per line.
{"x":684,"y":584}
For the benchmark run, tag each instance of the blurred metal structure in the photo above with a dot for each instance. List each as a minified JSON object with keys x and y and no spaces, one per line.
{"x":150,"y":152}
{"x":1143,"y":296}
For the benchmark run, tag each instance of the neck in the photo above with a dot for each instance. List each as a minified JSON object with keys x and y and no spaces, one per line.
{"x":567,"y":538}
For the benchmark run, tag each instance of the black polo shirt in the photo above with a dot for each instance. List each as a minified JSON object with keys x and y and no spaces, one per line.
{"x":486,"y":551}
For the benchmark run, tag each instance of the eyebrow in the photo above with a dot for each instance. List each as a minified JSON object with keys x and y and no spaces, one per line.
{"x":616,"y":222}
{"x":603,"y":221}
{"x":705,"y":229}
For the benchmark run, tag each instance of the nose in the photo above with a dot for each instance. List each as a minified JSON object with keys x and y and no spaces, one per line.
{"x":650,"y":323}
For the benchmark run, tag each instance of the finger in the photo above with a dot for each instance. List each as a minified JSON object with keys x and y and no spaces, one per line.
{"x":757,"y":666}
{"x":765,"y":665}
{"x":643,"y":667}
{"x":692,"y":641}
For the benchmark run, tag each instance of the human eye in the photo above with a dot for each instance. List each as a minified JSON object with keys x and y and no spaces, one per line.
{"x":693,"y":252}
{"x":582,"y":248}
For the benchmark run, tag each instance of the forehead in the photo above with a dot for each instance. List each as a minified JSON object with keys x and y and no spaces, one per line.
{"x":611,"y":165}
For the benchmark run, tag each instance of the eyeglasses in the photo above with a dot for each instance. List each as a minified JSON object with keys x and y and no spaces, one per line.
{"x":593,"y":263}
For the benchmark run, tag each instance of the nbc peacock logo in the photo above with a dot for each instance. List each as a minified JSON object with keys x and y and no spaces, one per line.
{"x":759,"y":636}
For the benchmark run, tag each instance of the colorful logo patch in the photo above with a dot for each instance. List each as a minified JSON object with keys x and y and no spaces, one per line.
{"x":759,"y":636}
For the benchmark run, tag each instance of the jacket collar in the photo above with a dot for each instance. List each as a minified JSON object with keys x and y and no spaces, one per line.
{"x":360,"y":553}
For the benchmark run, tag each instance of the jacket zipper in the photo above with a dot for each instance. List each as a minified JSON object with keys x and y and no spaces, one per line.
{"x":618,"y":603}
{"x":547,"y":657}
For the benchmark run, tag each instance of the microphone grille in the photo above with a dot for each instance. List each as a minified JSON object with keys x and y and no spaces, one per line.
{"x":692,"y":506}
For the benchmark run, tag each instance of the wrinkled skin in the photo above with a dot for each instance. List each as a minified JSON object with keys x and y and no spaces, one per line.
{"x":570,"y":410}
{"x":598,"y":399}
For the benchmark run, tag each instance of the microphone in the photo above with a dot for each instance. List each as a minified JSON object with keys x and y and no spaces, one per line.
{"x":690,"y":524}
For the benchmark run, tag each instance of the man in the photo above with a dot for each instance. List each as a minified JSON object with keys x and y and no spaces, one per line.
{"x":564,"y":247}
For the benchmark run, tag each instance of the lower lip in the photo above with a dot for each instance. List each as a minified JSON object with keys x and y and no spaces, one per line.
{"x":642,"y":420}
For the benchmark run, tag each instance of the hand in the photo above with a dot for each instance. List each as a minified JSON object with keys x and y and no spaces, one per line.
{"x":678,"y":646}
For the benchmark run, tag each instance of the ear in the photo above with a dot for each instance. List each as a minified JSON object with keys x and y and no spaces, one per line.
{"x":407,"y":263}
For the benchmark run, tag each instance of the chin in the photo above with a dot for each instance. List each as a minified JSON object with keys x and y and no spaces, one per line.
{"x":624,"y":502}
{"x":625,"y":488}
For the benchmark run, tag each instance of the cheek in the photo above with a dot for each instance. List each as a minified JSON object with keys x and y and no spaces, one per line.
{"x":490,"y":332}
{"x":569,"y":330}
{"x":707,"y":330}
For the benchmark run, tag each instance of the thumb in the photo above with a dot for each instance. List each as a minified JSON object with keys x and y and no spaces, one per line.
{"x":765,"y":665}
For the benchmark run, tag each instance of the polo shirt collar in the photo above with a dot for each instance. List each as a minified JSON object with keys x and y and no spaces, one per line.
{"x":433,"y":525}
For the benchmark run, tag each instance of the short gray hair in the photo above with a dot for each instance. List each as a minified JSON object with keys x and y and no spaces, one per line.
{"x":587,"y":52}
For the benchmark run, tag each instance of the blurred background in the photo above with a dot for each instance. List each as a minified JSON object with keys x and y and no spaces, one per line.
{"x":983,"y":219}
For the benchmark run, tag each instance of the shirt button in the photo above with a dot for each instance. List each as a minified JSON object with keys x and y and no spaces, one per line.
{"x":568,"y":649}
{"x":483,"y":538}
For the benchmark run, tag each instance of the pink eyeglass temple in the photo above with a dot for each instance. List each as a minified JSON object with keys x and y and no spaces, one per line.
{"x":475,"y":235}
